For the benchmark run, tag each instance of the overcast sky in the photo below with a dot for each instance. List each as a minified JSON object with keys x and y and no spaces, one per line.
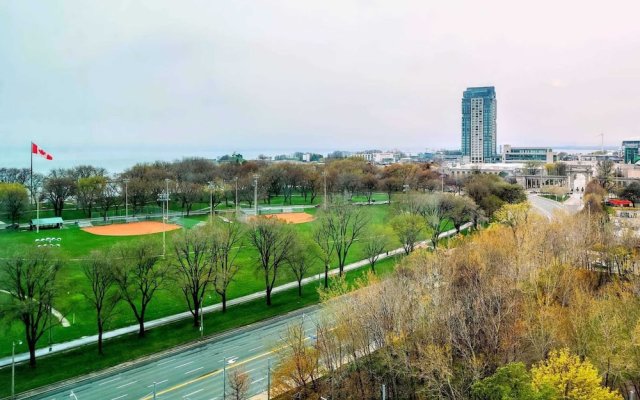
{"x":300,"y":74}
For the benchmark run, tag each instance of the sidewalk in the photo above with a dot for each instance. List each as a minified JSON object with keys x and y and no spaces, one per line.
{"x":60,"y":347}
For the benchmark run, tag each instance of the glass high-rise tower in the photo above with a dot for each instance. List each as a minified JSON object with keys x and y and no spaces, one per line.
{"x":479,"y":125}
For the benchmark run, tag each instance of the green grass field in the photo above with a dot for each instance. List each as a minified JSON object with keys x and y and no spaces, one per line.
{"x":77,"y":244}
{"x":85,"y":360}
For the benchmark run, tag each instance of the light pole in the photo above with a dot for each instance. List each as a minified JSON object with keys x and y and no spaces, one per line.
{"x":154,"y":390}
{"x":202,"y":317}
{"x":73,"y":396}
{"x":126,"y":199}
{"x":37,"y":211}
{"x":236,"y":202}
{"x":268,"y":379}
{"x":13,"y":369}
{"x":255,"y":193}
{"x":324,"y":178}
{"x":211,"y":186}
{"x":164,"y":199}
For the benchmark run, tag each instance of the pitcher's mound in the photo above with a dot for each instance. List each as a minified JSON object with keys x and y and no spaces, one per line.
{"x":292,"y":218}
{"x":131,"y":229}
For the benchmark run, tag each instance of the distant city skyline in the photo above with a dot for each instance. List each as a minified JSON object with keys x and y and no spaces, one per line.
{"x":264,"y":77}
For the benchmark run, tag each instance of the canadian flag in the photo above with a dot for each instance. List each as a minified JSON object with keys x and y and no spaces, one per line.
{"x":35,"y":149}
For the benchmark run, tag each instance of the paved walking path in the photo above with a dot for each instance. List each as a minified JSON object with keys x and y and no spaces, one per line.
{"x":58,"y":347}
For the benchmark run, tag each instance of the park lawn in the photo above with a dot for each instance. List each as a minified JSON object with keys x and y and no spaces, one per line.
{"x":85,"y":360}
{"x":77,"y":244}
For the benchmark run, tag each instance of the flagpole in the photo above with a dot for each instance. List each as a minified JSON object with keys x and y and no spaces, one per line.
{"x":31,"y":152}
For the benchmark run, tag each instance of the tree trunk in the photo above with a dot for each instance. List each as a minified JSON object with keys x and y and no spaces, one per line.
{"x":32,"y":353}
{"x":268,"y":296}
{"x":326,"y":276}
{"x":100,"y":331}
{"x":196,"y":316}
{"x":224,"y":301}
{"x":141,"y":329}
{"x":299,"y":288}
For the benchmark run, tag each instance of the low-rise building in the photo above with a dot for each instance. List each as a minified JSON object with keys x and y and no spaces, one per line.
{"x":524,"y":154}
{"x":630,"y":151}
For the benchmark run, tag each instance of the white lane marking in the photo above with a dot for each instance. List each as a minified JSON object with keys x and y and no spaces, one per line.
{"x":126,"y":384}
{"x":182,"y":365}
{"x":157,"y":383}
{"x":251,"y":370}
{"x":109,"y":381}
{"x":257,"y":380}
{"x":119,"y":397}
{"x":192,"y":393}
{"x":165,"y":361}
{"x":256,"y":348}
{"x":193,"y":370}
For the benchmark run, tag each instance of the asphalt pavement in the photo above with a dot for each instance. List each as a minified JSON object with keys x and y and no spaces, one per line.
{"x":195,"y":373}
{"x":548,"y":207}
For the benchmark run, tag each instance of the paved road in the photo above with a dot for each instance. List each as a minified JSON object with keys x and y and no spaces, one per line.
{"x":548,"y":207}
{"x":195,"y":373}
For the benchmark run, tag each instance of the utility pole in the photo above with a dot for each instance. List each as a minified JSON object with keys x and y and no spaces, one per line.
{"x":384,"y":392}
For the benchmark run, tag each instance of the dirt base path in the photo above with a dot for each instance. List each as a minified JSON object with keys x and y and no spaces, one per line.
{"x":131,"y":229}
{"x":292,"y":218}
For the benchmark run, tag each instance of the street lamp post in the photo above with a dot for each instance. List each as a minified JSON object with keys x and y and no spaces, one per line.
{"x":211,"y":188}
{"x":13,"y":369}
{"x":324,"y":177}
{"x":236,"y":202}
{"x":202,"y":317}
{"x":126,"y":199}
{"x":154,"y":390}
{"x":37,"y":211}
{"x":268,"y":379}
{"x":164,"y":199}
{"x":255,"y":193}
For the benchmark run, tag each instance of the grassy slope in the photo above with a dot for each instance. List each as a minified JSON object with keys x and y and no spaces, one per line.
{"x":85,"y":360}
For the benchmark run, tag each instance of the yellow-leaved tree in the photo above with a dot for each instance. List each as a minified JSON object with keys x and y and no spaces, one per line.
{"x":573,"y":379}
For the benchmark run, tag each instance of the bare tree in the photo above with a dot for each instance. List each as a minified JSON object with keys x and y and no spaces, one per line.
{"x":239,"y":385}
{"x":434,"y":213}
{"x":31,"y":281}
{"x":109,"y":198}
{"x":59,"y":186}
{"x":103,"y":293}
{"x":194,"y":269}
{"x":299,"y":262}
{"x":374,"y":245}
{"x":299,"y":364}
{"x":343,"y":224}
{"x":139,"y":274}
{"x":225,"y":240}
{"x":326,"y":247}
{"x":272,"y":239}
